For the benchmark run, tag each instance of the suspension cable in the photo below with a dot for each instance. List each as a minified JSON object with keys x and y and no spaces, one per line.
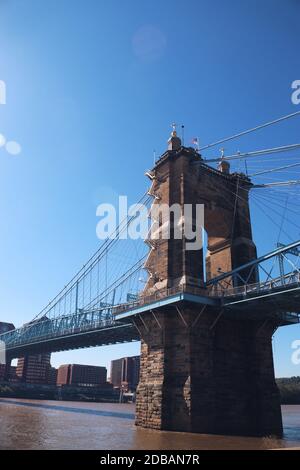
{"x":235,"y":136}
{"x":272,"y":170}
{"x":256,"y":153}
{"x":93,"y":259}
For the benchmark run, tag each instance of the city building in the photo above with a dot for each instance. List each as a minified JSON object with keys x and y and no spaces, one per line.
{"x":13,"y":378}
{"x":81,"y":375}
{"x":124,"y":373}
{"x":63,"y":374}
{"x":116,"y":372}
{"x":5,"y":327}
{"x":52,"y":376}
{"x":34,"y":369}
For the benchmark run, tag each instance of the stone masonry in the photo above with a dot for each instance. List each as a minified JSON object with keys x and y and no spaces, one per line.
{"x":197,"y":377}
{"x":203,"y":370}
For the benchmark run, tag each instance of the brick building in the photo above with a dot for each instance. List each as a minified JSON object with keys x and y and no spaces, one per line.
{"x":52,"y":376}
{"x":63,"y":374}
{"x":13,"y":378}
{"x":34,"y":369}
{"x":125,"y":372}
{"x":81,"y":375}
{"x":116,"y":372}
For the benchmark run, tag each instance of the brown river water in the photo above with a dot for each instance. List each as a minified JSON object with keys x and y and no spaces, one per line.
{"x":34,"y":424}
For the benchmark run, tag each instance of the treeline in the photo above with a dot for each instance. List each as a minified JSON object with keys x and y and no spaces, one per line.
{"x":289,"y":390}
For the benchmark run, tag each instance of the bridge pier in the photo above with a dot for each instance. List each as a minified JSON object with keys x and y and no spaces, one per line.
{"x":207,"y":373}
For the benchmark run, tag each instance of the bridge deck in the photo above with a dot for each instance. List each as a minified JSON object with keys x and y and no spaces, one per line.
{"x":74,"y":339}
{"x":114,"y":325}
{"x":256,"y":300}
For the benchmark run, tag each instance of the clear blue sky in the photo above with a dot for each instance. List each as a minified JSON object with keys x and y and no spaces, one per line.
{"x":92,"y":87}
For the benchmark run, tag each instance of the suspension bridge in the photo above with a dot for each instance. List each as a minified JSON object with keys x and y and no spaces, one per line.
{"x":102,"y":322}
{"x":113,"y":296}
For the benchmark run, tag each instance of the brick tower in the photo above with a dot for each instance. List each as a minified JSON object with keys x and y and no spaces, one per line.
{"x":203,"y":370}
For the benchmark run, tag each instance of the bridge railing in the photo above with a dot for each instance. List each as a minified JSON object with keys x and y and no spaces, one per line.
{"x":159,"y":295}
{"x":248,"y":274}
{"x":65,"y":325}
{"x":221,"y":290}
{"x":85,"y":320}
{"x":213,"y":290}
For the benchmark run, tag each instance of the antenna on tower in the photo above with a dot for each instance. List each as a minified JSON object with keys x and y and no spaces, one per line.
{"x":182,"y":134}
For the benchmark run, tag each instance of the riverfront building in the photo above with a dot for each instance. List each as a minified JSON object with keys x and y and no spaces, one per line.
{"x":81,"y":375}
{"x":124,"y":373}
{"x":34,"y":369}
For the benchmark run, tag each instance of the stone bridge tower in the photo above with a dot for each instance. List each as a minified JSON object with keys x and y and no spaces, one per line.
{"x":203,"y":370}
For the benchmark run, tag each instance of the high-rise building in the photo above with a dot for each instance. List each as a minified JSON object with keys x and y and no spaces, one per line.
{"x":34,"y":369}
{"x":81,"y":375}
{"x":63,"y":374}
{"x":124,"y":372}
{"x":13,"y":378}
{"x":52,"y":376}
{"x":8,"y":373}
{"x":116,"y":367}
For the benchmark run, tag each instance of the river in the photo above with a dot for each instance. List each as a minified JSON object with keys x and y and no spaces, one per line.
{"x":33,"y":424}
